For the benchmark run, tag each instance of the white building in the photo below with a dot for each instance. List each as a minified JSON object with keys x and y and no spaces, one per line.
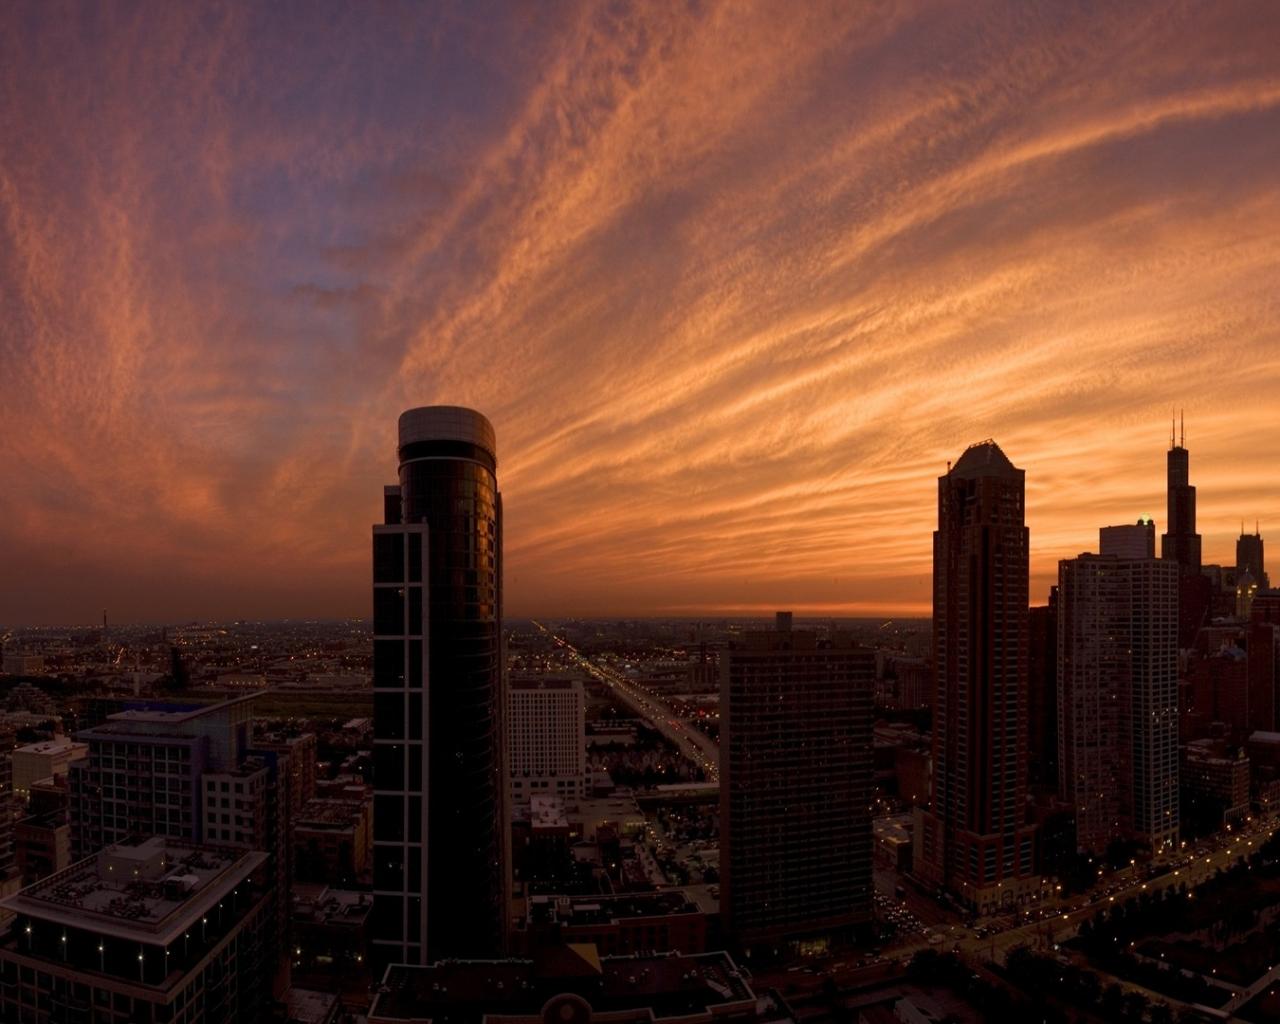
{"x":1117,"y":696}
{"x":43,"y":761}
{"x":547,"y":738}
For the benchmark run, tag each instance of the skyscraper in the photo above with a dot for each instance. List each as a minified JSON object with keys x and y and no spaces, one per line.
{"x":1249,"y":556}
{"x":1181,"y":543}
{"x":974,"y":839}
{"x":440,"y":847}
{"x":1118,"y":680}
{"x":795,"y":789}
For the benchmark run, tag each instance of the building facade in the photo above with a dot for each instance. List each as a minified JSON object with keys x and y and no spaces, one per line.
{"x":440,"y":834}
{"x":1118,"y":715}
{"x":975,"y":841}
{"x":547,"y":738}
{"x":795,"y":787}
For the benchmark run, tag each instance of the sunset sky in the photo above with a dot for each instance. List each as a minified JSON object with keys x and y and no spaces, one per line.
{"x":733,"y":282}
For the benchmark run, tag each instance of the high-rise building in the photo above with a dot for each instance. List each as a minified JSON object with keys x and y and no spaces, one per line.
{"x":1250,"y":557}
{"x":1181,"y":543}
{"x":974,"y":839}
{"x":440,"y":836}
{"x":795,"y":788}
{"x":1118,"y":685}
{"x":547,"y":746}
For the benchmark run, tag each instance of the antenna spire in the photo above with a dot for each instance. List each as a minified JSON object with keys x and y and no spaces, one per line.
{"x":1182,"y":443}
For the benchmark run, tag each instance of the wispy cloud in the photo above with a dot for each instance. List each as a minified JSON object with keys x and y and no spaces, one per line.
{"x":734,"y":281}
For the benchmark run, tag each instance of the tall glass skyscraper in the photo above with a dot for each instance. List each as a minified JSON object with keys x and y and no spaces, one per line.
{"x":440,"y":857}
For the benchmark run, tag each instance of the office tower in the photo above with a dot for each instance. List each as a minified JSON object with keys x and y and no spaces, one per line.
{"x":1042,"y":695}
{"x":440,"y":835}
{"x":795,"y":788}
{"x":974,"y":840}
{"x":1181,"y":544}
{"x":1249,"y":556}
{"x":1118,"y":722}
{"x":1130,"y":541}
{"x":547,"y":735}
{"x":156,"y":929}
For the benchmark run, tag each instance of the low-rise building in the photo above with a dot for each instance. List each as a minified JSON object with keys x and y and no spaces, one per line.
{"x":574,"y":984}
{"x":38,"y":761}
{"x":616,"y":925}
{"x":333,"y":841}
{"x":158,"y":930}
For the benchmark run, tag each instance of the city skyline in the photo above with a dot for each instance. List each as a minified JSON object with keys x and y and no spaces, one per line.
{"x":732,"y":285}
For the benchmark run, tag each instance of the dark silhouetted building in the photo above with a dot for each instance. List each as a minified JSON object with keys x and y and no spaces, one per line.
{"x":795,"y":789}
{"x":975,"y":841}
{"x":440,"y":847}
{"x":1250,"y":557}
{"x":1181,"y":543}
{"x":160,"y":929}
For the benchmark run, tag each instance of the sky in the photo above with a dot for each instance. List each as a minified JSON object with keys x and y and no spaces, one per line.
{"x":733,"y":281}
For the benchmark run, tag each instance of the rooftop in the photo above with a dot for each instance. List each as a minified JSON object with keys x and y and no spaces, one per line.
{"x":984,"y":459}
{"x":587,"y":910}
{"x":466,"y":992}
{"x":151,"y":890}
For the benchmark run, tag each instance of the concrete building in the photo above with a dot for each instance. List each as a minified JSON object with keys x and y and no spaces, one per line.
{"x":441,"y":842}
{"x":795,"y":788}
{"x":142,"y":773}
{"x":158,"y":930}
{"x":38,"y":761}
{"x":617,"y":925}
{"x":333,"y":841}
{"x":301,"y":752}
{"x":1215,"y":783}
{"x":975,"y":841}
{"x":547,"y":738}
{"x":1118,"y":687}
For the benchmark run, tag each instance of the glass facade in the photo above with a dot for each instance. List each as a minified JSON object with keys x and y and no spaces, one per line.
{"x":439,"y":830}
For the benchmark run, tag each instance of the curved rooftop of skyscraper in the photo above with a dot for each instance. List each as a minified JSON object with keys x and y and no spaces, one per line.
{"x":447,"y":423}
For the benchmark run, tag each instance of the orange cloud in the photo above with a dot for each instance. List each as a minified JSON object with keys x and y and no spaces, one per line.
{"x":733,"y":282}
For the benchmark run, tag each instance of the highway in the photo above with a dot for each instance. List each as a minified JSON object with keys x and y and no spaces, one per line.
{"x":694,"y":744}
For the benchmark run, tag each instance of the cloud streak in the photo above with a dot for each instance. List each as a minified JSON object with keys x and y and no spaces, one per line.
{"x":734,"y":282}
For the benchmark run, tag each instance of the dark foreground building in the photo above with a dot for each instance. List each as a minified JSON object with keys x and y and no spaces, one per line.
{"x":144,"y":932}
{"x":795,"y":789}
{"x":440,"y":860}
{"x":573,"y":985}
{"x":975,"y":842}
